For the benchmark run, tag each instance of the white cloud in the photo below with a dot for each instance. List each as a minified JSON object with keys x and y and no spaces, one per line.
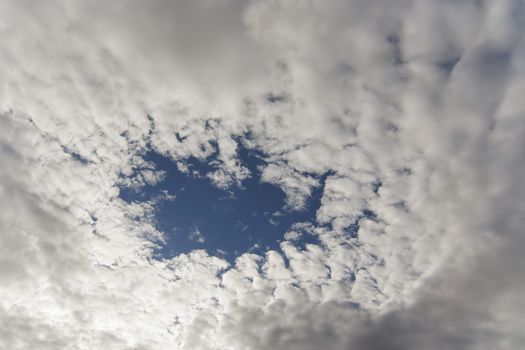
{"x":298,"y":187}
{"x":196,"y":235}
{"x":415,"y":108}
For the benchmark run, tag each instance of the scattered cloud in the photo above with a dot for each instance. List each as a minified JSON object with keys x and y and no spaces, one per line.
{"x":196,"y":235}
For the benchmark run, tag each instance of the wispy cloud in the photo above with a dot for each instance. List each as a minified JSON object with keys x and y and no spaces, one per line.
{"x":196,"y":235}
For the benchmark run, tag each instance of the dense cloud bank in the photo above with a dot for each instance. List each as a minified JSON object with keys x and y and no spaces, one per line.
{"x":413,"y":111}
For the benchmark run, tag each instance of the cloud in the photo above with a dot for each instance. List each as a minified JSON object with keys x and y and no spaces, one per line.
{"x":412,"y":113}
{"x":196,"y":235}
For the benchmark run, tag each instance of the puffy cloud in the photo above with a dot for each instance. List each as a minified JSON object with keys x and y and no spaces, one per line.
{"x":408,"y":118}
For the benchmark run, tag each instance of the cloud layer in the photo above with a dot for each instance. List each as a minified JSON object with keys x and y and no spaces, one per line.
{"x":411,"y":110}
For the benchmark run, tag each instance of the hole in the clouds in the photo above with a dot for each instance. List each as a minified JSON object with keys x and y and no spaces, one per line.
{"x":225,"y":222}
{"x":75,"y":155}
{"x":369,"y":214}
{"x":376,"y":186}
{"x":353,"y":229}
{"x":275,"y":98}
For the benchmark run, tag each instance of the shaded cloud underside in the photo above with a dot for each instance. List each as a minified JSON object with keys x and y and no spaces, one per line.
{"x":413,"y":110}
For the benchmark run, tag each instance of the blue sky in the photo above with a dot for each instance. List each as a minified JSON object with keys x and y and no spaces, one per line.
{"x":225,"y":222}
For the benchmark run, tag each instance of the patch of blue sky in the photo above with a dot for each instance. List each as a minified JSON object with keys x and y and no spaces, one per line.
{"x":226,"y":223}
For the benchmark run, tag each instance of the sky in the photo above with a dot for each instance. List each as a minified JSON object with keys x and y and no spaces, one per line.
{"x":262,"y":174}
{"x":194,"y":213}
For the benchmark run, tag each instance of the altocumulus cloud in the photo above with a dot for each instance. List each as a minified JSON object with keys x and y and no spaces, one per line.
{"x":411,"y":111}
